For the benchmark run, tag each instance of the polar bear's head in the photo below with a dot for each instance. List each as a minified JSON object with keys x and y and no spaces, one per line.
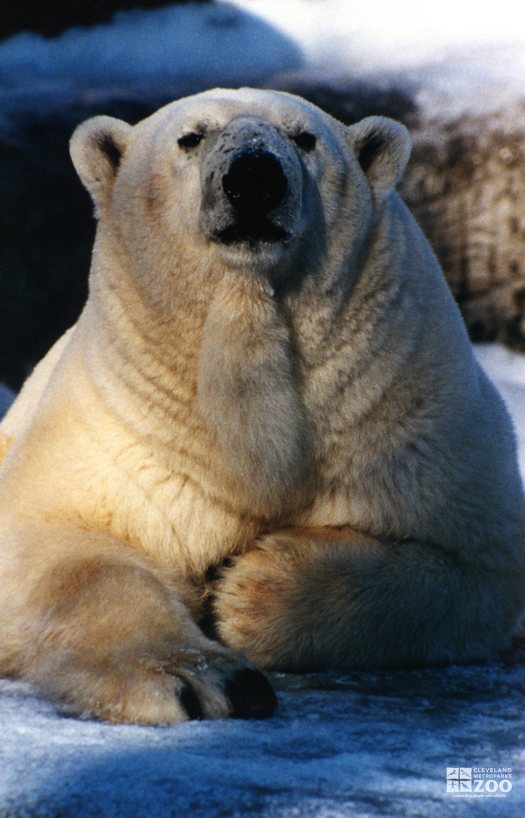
{"x":246,"y":179}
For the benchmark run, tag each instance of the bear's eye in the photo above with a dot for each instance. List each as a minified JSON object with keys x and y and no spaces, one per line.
{"x":305,"y":140}
{"x":190,"y":140}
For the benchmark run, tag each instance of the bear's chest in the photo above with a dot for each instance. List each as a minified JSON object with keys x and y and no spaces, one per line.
{"x":182,"y":515}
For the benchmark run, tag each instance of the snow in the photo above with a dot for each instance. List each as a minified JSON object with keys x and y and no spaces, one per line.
{"x":340,"y":745}
{"x":173,"y":46}
{"x":388,"y":34}
{"x":356,"y":744}
{"x":453,"y":56}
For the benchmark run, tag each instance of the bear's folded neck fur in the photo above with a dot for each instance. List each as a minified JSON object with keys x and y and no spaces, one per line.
{"x":244,"y":368}
{"x":227,"y":370}
{"x":249,"y":393}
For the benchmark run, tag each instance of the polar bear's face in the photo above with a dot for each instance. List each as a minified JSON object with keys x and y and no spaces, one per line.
{"x":248,"y":179}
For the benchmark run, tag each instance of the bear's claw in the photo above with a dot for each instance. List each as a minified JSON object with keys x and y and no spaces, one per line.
{"x":190,"y":701}
{"x":246,"y":694}
{"x":251,"y":695}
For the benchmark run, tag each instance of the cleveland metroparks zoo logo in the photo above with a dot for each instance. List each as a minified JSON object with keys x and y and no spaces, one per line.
{"x":479,"y":782}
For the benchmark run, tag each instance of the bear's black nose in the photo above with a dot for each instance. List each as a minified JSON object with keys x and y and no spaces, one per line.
{"x":255,"y":181}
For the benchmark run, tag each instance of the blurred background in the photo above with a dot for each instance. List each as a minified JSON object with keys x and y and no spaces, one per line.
{"x":453,"y":73}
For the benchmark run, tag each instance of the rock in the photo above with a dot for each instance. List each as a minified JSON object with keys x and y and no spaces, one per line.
{"x":53,"y":18}
{"x":47,"y":232}
{"x":466,"y":185}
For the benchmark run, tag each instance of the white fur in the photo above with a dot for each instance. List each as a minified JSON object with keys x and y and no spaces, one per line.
{"x":191,"y":410}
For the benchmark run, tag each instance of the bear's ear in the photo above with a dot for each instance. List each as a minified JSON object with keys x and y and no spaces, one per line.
{"x":97,"y":147}
{"x":382,"y":147}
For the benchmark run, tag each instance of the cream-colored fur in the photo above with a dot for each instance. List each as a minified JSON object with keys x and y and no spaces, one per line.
{"x":257,"y":402}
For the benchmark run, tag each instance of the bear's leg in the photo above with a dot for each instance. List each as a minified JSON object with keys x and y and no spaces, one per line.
{"x":5,"y":444}
{"x":104,"y":633}
{"x":306,"y":599}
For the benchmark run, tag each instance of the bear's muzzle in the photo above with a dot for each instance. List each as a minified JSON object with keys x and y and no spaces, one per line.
{"x":251,"y":182}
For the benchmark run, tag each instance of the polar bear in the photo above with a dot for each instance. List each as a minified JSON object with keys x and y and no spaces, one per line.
{"x":265,"y":444}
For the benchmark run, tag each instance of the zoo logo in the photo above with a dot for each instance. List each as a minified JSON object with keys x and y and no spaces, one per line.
{"x":479,"y":782}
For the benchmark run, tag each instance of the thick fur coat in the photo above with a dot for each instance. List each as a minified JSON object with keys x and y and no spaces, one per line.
{"x":267,"y":421}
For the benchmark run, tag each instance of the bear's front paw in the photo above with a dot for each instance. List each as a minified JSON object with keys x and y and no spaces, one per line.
{"x":179,"y":684}
{"x":259,"y":604}
{"x":284,"y":602}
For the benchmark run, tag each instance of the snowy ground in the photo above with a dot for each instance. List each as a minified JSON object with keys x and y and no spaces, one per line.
{"x":340,"y":745}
